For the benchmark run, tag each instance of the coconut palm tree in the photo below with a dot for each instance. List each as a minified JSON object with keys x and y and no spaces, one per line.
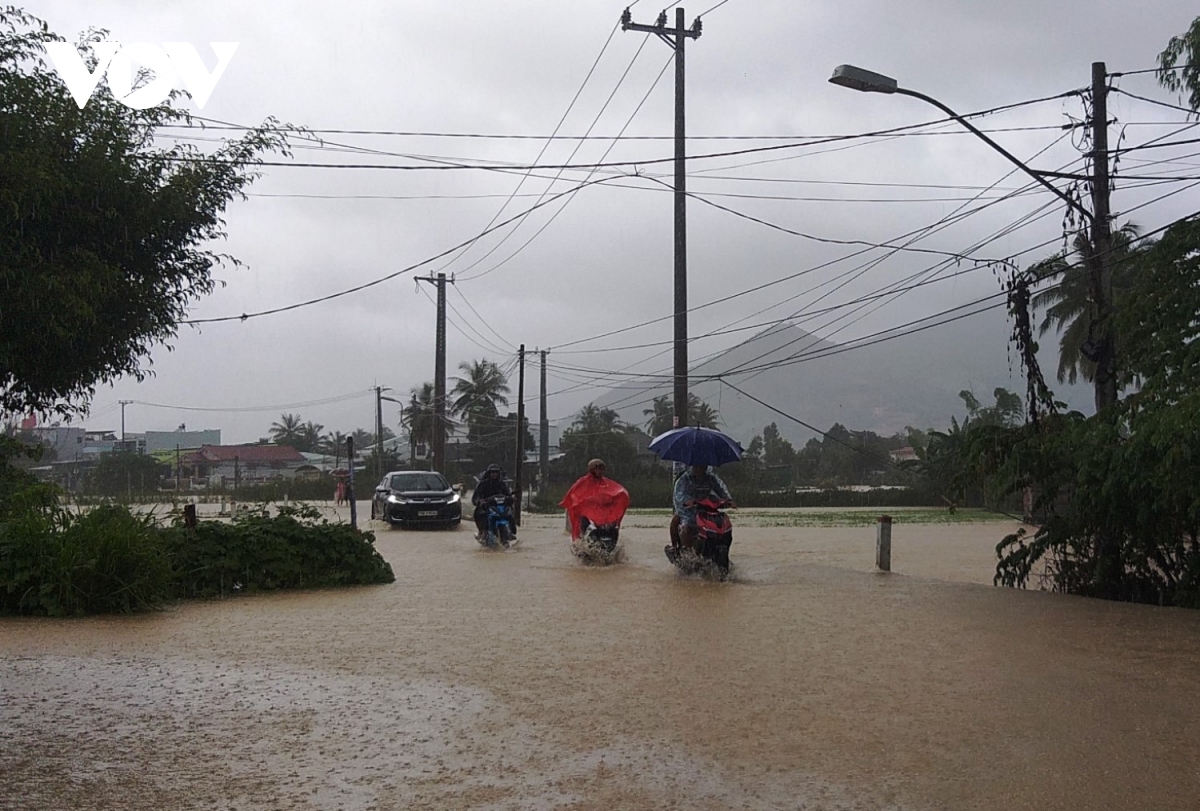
{"x":288,"y":431}
{"x":661,"y":416}
{"x":480,"y":392}
{"x":1067,"y":304}
{"x":420,"y":418}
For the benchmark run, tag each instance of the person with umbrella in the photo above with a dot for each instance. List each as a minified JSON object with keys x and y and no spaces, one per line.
{"x":700,"y":449}
{"x":697,"y":483}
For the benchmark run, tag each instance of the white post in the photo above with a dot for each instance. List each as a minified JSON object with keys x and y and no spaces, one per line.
{"x":883,"y":544}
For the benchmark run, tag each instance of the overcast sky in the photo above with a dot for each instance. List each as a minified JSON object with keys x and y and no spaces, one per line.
{"x":482,"y":67}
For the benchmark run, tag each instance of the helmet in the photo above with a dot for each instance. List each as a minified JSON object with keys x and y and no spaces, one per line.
{"x":595,"y":463}
{"x":493,"y":468}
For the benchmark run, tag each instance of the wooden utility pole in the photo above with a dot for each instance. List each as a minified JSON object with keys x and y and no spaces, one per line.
{"x":438,"y":455}
{"x":520,"y":466}
{"x":1103,"y":343}
{"x":676,"y":38}
{"x":543,"y":438}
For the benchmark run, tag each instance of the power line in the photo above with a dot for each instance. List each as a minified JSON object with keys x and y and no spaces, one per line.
{"x":546,"y":145}
{"x":388,"y":277}
{"x":567,"y":202}
{"x":1168,"y":105}
{"x":284,"y":406}
{"x":453,"y":165}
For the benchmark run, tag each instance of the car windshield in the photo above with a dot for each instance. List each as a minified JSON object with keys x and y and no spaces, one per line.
{"x":409,"y":482}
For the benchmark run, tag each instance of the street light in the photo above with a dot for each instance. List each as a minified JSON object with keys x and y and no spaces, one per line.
{"x":867,"y":81}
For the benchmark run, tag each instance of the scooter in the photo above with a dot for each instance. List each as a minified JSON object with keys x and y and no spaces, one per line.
{"x":499,"y":531}
{"x":714,"y":536}
{"x":598,"y":544}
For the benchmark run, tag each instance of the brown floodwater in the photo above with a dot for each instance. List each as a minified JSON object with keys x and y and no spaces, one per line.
{"x":524,"y":680}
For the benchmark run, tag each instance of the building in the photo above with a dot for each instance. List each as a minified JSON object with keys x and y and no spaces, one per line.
{"x":242,"y":464}
{"x":184,"y":440}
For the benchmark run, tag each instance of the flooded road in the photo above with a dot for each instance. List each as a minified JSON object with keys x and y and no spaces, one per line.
{"x":522,"y":679}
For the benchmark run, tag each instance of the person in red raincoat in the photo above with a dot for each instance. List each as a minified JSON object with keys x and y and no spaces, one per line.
{"x":595,"y":498}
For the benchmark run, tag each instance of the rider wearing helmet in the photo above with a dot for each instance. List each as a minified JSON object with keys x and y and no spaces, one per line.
{"x":492,"y":484}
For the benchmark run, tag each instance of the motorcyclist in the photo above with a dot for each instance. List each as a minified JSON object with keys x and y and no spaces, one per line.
{"x":492,"y":484}
{"x":697,"y":483}
{"x":594,"y":498}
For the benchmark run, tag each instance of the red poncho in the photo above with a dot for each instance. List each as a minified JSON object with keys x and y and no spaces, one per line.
{"x":602,"y":500}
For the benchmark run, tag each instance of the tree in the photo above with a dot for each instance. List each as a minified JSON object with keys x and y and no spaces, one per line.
{"x":1008,"y":410}
{"x":310,"y":437}
{"x":288,"y":431}
{"x":122,"y":474}
{"x":104,"y":234}
{"x":599,"y":432}
{"x":479,"y":393}
{"x":1067,"y":302}
{"x":420,"y":419}
{"x":1183,"y":52}
{"x":661,"y":415}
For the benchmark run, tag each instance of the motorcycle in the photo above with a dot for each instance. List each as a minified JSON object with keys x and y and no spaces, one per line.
{"x":598,"y":543}
{"x":714,"y":536}
{"x":499,"y":531}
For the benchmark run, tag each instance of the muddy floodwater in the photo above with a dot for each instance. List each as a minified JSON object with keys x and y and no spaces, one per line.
{"x":524,"y":680}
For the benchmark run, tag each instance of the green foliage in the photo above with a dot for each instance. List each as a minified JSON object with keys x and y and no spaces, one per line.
{"x":60,"y":563}
{"x":1183,"y":51}
{"x":103,"y":233}
{"x":259,"y":552}
{"x":124,"y":474}
{"x":599,"y":433}
{"x":661,"y":415}
{"x":1122,"y":489}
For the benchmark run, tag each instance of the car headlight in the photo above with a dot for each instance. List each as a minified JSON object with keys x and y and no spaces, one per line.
{"x":454,"y":499}
{"x":394,"y":499}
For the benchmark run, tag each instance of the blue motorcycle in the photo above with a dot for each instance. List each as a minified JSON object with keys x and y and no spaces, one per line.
{"x":499,"y":530}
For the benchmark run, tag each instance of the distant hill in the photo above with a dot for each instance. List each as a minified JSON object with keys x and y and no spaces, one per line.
{"x":910,"y":380}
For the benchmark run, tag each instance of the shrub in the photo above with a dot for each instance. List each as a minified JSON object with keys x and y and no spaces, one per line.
{"x":60,"y":563}
{"x":259,"y":552}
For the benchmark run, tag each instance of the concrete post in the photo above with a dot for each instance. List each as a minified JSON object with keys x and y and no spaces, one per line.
{"x":883,"y":544}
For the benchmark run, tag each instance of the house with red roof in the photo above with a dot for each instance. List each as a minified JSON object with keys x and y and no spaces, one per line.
{"x":244,"y":464}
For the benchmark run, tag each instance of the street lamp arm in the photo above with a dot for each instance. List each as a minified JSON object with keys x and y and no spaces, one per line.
{"x":1087,"y":215}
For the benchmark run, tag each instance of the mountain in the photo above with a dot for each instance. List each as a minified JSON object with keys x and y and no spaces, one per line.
{"x":911,"y":380}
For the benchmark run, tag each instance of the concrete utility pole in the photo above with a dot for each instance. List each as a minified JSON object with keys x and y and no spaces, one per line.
{"x":676,"y":38}
{"x":350,"y":482}
{"x":438,"y":455}
{"x":520,"y":466}
{"x":123,"y":404}
{"x":379,"y":390}
{"x":1102,"y":349}
{"x":543,"y":438}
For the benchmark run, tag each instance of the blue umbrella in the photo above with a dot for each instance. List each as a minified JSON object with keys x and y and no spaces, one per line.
{"x":696,"y":446}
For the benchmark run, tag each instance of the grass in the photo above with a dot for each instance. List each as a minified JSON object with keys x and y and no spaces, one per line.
{"x":861,"y":517}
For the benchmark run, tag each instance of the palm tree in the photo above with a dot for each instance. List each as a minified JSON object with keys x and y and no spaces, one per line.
{"x":288,"y":431}
{"x":419,"y":418}
{"x":1067,"y":304}
{"x":478,"y":394}
{"x":310,"y":436}
{"x":662,"y":414}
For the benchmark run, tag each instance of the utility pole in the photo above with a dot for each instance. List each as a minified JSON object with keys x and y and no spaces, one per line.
{"x":123,"y":404}
{"x":379,"y":432}
{"x":350,"y":482}
{"x":543,"y":438}
{"x":520,"y":432}
{"x":676,"y":38}
{"x":1103,"y":346}
{"x":438,"y":456}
